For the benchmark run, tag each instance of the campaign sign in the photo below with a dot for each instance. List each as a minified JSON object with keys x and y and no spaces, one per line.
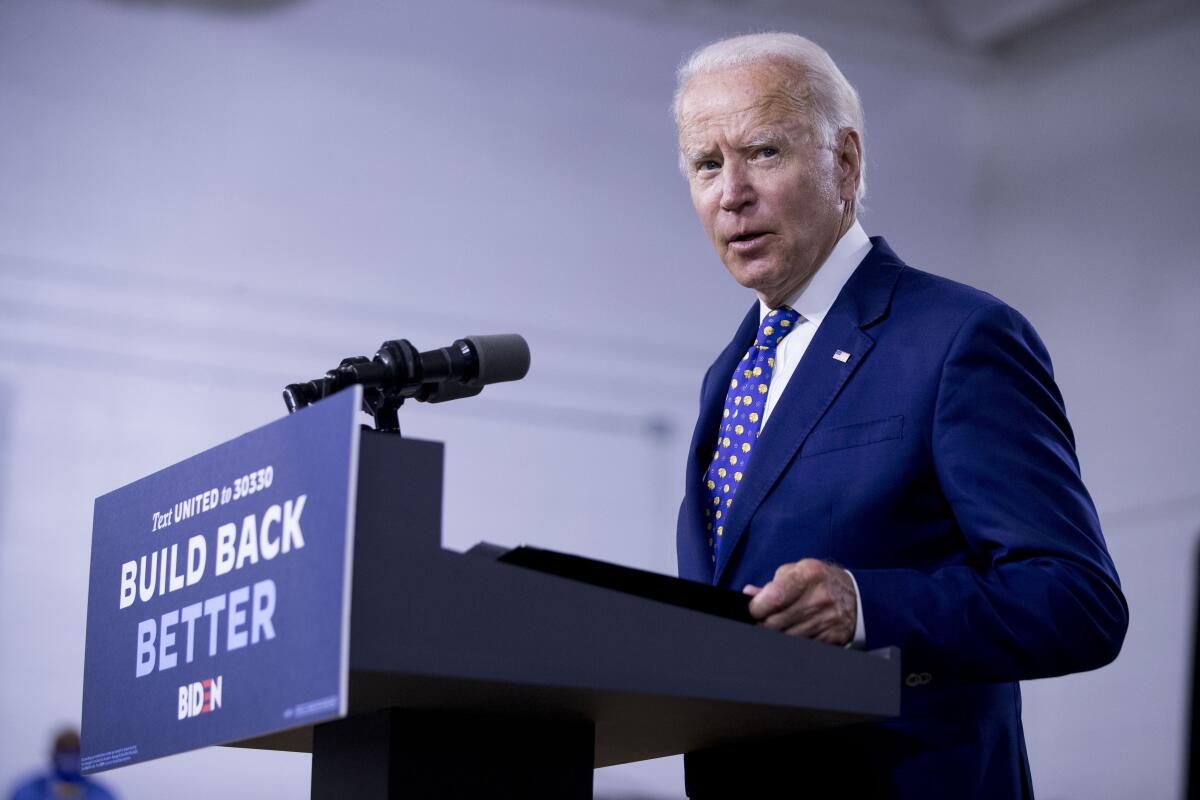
{"x":219,"y":597}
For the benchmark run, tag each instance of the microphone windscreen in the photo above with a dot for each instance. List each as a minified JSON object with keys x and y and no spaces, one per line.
{"x":501,"y":357}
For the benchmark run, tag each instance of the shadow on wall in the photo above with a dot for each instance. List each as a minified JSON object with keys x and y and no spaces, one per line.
{"x":214,"y":6}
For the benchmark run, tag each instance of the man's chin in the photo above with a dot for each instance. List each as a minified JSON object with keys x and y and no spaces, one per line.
{"x":761,"y":277}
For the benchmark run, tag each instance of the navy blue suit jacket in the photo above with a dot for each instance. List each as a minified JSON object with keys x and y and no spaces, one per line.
{"x":937,"y":464}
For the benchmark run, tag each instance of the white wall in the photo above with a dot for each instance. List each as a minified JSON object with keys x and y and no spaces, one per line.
{"x":1089,"y":209}
{"x":197,"y":208}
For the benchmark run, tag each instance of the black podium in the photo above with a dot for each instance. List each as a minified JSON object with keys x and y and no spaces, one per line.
{"x":475,"y":678}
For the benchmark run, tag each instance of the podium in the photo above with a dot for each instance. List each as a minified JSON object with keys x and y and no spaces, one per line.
{"x":469,"y":677}
{"x":474,"y":678}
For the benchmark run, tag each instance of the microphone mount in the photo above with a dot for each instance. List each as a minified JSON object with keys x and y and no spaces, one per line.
{"x":399,"y":372}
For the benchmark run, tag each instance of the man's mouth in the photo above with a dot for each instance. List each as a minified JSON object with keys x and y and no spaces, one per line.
{"x":747,"y":240}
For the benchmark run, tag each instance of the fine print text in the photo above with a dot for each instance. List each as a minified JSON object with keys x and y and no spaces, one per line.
{"x":240,"y":487}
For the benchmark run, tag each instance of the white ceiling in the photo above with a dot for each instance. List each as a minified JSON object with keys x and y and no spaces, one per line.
{"x":974,"y":27}
{"x":990,"y":23}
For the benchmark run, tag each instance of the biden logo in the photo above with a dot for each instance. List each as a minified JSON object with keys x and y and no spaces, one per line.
{"x":201,"y":697}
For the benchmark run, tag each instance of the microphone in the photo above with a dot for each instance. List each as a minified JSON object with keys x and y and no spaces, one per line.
{"x":473,"y":362}
{"x":398,"y":371}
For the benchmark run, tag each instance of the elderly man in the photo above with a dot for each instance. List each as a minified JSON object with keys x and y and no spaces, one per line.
{"x":881,"y":457}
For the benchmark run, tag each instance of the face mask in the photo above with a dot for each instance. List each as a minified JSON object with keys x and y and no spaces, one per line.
{"x":66,"y":765}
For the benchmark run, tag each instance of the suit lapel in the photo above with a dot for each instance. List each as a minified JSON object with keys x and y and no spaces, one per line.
{"x":704,"y":437}
{"x":818,"y":380}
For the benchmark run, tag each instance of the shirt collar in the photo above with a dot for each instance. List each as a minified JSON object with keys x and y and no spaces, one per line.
{"x":815,"y":298}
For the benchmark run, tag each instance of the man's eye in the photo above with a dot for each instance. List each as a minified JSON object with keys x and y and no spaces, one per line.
{"x":707,"y":165}
{"x":766,"y":152}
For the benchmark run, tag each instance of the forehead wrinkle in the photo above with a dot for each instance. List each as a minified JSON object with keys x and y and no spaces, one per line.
{"x":771,"y":92}
{"x":769,"y":114}
{"x":740,"y":135}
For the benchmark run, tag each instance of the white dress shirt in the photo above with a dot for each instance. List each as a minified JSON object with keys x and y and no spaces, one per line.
{"x":813,"y":302}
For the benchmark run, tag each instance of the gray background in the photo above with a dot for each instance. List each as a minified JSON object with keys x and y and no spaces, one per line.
{"x":201,"y":202}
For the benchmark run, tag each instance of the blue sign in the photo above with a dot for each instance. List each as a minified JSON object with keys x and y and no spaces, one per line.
{"x":219,"y":599}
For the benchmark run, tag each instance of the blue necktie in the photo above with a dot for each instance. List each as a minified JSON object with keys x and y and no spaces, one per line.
{"x":741,"y":421}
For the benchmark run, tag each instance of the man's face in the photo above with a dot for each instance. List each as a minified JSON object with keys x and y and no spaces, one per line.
{"x":770,"y":196}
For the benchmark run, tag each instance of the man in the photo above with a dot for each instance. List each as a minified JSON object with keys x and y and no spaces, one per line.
{"x":64,"y":779}
{"x":881,"y":458}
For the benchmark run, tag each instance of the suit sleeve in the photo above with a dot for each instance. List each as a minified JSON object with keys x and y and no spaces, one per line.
{"x":1038,"y":594}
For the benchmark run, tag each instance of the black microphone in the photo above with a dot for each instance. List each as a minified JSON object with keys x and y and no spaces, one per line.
{"x":398,"y":371}
{"x":473,"y":361}
{"x":465,"y":367}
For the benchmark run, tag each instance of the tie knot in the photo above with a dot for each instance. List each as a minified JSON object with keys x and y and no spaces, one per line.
{"x":777,"y":324}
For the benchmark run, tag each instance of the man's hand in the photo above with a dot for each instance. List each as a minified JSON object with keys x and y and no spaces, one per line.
{"x":808,"y":598}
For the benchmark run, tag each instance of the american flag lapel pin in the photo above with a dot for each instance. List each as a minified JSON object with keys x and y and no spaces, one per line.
{"x":841,"y":355}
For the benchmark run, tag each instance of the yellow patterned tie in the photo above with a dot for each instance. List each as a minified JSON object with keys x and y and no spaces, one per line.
{"x":741,"y":421}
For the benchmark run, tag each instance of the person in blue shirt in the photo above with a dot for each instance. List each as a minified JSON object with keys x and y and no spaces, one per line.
{"x":64,"y":780}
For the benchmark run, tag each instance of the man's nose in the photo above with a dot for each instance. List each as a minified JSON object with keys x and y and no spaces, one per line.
{"x":737,"y":192}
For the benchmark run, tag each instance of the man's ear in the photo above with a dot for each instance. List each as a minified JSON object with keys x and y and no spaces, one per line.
{"x":849,"y":163}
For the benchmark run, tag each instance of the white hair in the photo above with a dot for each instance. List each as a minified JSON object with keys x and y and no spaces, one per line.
{"x":831,"y":104}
